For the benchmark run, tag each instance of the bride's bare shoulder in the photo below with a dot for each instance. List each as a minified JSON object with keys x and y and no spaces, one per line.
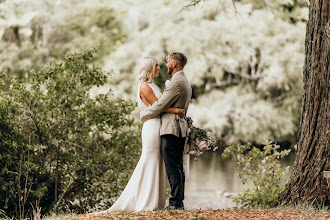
{"x":145,"y":88}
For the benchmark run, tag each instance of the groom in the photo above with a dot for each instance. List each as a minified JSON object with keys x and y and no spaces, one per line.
{"x":173,"y":129}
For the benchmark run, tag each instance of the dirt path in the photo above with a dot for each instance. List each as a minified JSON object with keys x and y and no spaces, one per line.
{"x":281,"y":214}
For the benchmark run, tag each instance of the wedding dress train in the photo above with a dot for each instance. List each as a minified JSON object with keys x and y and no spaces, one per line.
{"x":146,"y":187}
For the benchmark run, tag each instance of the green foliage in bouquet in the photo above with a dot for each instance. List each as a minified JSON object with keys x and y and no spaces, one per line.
{"x":60,"y":146}
{"x":200,"y":140}
{"x":262,"y":168}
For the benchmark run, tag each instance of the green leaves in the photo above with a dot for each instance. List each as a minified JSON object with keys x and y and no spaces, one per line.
{"x":262,"y":168}
{"x":67,"y":142}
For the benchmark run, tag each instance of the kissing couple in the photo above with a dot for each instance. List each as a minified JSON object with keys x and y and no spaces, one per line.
{"x":163,"y":138}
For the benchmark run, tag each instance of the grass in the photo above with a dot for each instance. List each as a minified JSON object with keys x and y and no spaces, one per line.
{"x":54,"y":216}
{"x":313,"y":207}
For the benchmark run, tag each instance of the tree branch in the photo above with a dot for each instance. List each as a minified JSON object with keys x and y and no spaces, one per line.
{"x":193,"y":3}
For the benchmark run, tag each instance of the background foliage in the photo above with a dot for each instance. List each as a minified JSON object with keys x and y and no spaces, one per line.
{"x":35,"y":32}
{"x":244,"y":60}
{"x":245,"y":67}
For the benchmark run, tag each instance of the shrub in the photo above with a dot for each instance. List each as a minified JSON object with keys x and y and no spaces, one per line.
{"x":263,"y":169}
{"x":63,"y":148}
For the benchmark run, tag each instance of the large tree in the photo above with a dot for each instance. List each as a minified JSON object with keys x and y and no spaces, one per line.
{"x":306,"y":183}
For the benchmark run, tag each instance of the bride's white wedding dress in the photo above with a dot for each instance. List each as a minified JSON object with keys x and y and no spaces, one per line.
{"x":146,"y":188}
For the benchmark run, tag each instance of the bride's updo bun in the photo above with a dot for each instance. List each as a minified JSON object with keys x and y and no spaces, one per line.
{"x":147,"y":69}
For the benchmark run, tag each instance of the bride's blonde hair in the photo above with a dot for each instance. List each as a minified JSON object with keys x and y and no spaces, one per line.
{"x":147,"y":69}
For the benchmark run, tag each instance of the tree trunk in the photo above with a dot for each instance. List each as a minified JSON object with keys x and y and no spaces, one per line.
{"x":307,"y":184}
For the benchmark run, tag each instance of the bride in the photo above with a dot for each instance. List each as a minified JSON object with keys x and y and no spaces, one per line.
{"x":146,"y":187}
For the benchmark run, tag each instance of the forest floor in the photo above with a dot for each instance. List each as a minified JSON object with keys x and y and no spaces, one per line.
{"x":213,"y":209}
{"x":237,"y":214}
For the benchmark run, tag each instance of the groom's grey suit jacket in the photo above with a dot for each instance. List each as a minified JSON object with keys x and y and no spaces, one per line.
{"x":177,"y":94}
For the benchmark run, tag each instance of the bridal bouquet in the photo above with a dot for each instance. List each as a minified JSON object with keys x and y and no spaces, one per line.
{"x":199,"y":140}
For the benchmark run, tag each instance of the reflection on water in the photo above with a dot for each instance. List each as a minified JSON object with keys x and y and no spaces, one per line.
{"x":211,"y":175}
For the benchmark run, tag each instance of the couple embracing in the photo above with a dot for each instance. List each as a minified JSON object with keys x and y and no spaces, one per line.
{"x":163,"y":138}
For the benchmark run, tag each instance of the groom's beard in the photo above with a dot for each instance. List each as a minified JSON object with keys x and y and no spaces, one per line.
{"x":170,"y":71}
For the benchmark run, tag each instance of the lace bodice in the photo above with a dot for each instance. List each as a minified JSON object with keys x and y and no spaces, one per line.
{"x":154,"y":88}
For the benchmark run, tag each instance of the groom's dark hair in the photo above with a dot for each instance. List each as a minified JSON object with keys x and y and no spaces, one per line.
{"x":180,"y":57}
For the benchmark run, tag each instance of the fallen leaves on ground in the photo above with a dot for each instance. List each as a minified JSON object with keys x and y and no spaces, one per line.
{"x":258,"y":214}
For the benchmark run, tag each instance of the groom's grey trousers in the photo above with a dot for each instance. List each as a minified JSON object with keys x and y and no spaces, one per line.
{"x":172,"y":150}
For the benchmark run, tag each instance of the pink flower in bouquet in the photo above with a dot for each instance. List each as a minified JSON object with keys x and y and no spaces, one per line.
{"x":202,"y":145}
{"x":199,"y":140}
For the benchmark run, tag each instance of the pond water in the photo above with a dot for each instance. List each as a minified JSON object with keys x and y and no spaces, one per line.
{"x":211,"y":176}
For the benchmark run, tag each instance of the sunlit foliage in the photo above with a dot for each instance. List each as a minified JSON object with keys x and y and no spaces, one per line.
{"x":33,"y":33}
{"x":245,"y":59}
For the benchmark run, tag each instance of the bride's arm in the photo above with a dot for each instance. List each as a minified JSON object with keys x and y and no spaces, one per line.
{"x":148,"y":98}
{"x":179,"y":111}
